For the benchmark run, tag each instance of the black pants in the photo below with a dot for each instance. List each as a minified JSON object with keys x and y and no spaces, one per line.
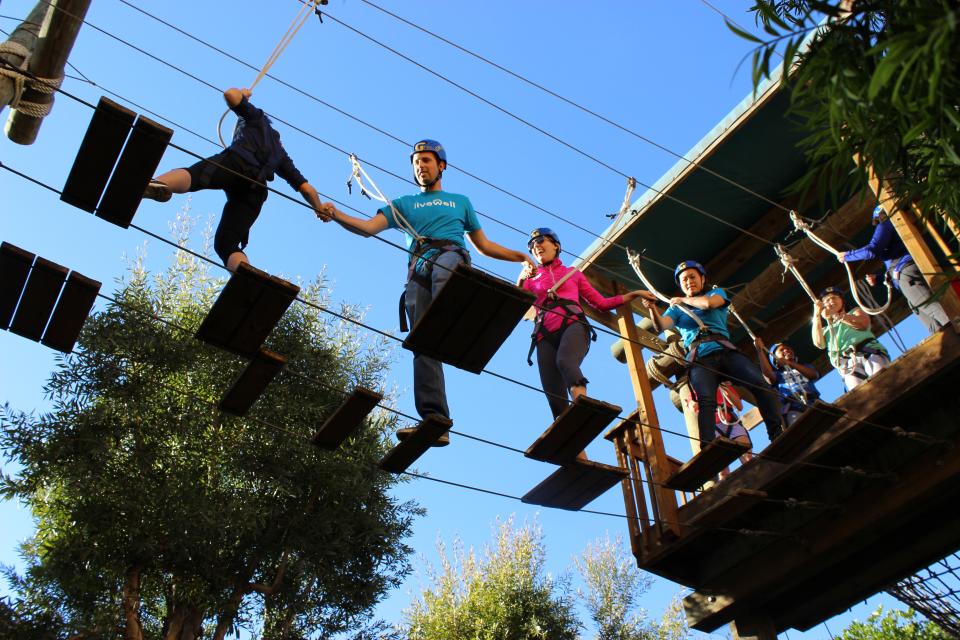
{"x":245,"y":198}
{"x":708,"y":372}
{"x":558,"y":358}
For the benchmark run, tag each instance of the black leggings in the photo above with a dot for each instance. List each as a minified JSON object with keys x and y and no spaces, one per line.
{"x":558,"y":358}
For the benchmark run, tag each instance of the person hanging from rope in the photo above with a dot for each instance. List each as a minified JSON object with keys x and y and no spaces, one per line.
{"x":241,"y":170}
{"x":711,"y":356}
{"x":851,"y":346}
{"x":561,"y":334}
{"x":886,"y":245}
{"x":434,"y":222}
{"x":793,"y":381}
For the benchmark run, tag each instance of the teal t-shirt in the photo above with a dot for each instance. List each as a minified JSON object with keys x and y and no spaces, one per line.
{"x":714,"y":319}
{"x":435,"y":214}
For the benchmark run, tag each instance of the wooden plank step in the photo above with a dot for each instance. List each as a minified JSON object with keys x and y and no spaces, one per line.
{"x":276,"y":296}
{"x":347,"y":418}
{"x":76,"y":301}
{"x":247,"y":309}
{"x":573,"y":430}
{"x":702,"y":467}
{"x":97,"y":155}
{"x":248,"y":388}
{"x":38,"y":299}
{"x":15,"y":266}
{"x":413,"y":446}
{"x":469,"y":319}
{"x":575,"y":485}
{"x":811,"y":424}
{"x":137,"y":164}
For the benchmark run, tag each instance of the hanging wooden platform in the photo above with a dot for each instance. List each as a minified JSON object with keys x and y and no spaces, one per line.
{"x":76,"y":301}
{"x":97,"y":172}
{"x":246,"y":311}
{"x":38,"y":300}
{"x":469,"y":319}
{"x":253,"y":381}
{"x":98,"y":153}
{"x":712,"y":459}
{"x":15,"y":266}
{"x":573,"y":430}
{"x":416,"y":444}
{"x":137,"y":164}
{"x":575,"y":485}
{"x":808,"y":427}
{"x":347,"y":418}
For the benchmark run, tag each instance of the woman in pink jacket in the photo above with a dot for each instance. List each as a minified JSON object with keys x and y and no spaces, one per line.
{"x":562,"y":335}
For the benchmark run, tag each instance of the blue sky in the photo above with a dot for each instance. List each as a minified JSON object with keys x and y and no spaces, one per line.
{"x":665,"y":69}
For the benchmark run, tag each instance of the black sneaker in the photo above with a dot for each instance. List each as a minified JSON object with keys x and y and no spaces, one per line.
{"x":158,"y":191}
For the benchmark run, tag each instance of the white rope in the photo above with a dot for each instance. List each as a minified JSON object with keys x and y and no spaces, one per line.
{"x":363,"y":179}
{"x":631,"y":185}
{"x":302,"y":16}
{"x":23,"y":81}
{"x":743,"y":322}
{"x":802,"y":225}
{"x":634,"y":259}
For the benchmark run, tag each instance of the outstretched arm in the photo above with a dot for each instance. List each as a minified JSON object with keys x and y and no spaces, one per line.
{"x":313,"y":199}
{"x":235,"y":96}
{"x":765,"y":367}
{"x":360,"y":226}
{"x":487,"y":247}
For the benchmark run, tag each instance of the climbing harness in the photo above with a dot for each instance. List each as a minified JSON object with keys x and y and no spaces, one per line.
{"x":726,"y":412}
{"x":703,"y":333}
{"x":802,"y":225}
{"x":309,"y":7}
{"x":421,"y":244}
{"x":571,"y":308}
{"x":23,"y":80}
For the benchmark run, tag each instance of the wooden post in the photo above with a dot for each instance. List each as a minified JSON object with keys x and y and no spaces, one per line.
{"x":55,"y":40}
{"x":664,"y":498}
{"x":26,"y":36}
{"x":933,"y":232}
{"x":753,"y":628}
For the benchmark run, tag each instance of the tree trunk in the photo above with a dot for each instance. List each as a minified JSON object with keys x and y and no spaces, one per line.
{"x":26,"y":35}
{"x":175,"y":618}
{"x":131,"y":604}
{"x":192,"y":625}
{"x":226,"y":618}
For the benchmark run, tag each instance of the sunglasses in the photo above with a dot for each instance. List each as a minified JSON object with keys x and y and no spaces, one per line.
{"x":537,"y":240}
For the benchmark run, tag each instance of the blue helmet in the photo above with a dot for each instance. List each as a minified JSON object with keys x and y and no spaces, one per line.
{"x":542,"y":232}
{"x":773,"y":352}
{"x":430,"y":145}
{"x":830,"y":291}
{"x":878,"y":211}
{"x":688,"y":264}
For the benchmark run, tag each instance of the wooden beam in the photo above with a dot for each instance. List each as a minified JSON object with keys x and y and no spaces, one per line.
{"x":56,"y":38}
{"x":25,"y":35}
{"x":665,"y":500}
{"x":767,"y":286}
{"x":753,"y":627}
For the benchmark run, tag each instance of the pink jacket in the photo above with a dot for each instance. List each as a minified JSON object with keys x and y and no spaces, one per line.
{"x":574,"y":288}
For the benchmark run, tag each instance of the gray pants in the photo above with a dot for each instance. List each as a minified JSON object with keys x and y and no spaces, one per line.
{"x":558,"y":359}
{"x":917,"y":293}
{"x":429,"y":392}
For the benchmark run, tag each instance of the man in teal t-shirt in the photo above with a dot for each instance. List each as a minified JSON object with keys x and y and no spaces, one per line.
{"x":441,"y":219}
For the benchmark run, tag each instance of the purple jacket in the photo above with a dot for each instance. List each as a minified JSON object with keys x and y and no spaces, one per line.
{"x":575,"y":288}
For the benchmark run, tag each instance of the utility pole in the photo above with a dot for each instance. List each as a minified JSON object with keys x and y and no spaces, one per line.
{"x":52,"y":45}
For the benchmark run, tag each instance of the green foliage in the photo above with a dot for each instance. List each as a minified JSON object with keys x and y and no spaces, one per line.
{"x":894,"y":625}
{"x":881,"y":82}
{"x":158,"y":516}
{"x":503,"y":594}
{"x":614,"y":586}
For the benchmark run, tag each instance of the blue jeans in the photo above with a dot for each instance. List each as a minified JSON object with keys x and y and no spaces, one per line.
{"x":708,"y":372}
{"x":429,"y":391}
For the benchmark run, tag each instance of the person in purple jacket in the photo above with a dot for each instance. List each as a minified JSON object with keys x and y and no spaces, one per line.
{"x":886,"y":245}
{"x":242,"y":171}
{"x":561,"y":335}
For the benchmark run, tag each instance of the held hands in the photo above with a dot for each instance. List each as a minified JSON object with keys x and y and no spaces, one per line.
{"x":326,"y":212}
{"x":529,"y":270}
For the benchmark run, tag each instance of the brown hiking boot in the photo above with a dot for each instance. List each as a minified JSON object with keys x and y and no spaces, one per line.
{"x":442,"y":441}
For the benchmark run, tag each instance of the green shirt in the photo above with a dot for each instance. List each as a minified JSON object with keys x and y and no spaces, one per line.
{"x":841,"y":337}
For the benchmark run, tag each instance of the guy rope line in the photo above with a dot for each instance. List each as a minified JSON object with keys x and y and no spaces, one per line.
{"x":23,"y":80}
{"x":788,"y":502}
{"x":370,"y":328}
{"x":802,"y":225}
{"x":309,"y":6}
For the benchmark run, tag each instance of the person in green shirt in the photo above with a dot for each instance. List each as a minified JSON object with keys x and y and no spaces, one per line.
{"x":851,"y":346}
